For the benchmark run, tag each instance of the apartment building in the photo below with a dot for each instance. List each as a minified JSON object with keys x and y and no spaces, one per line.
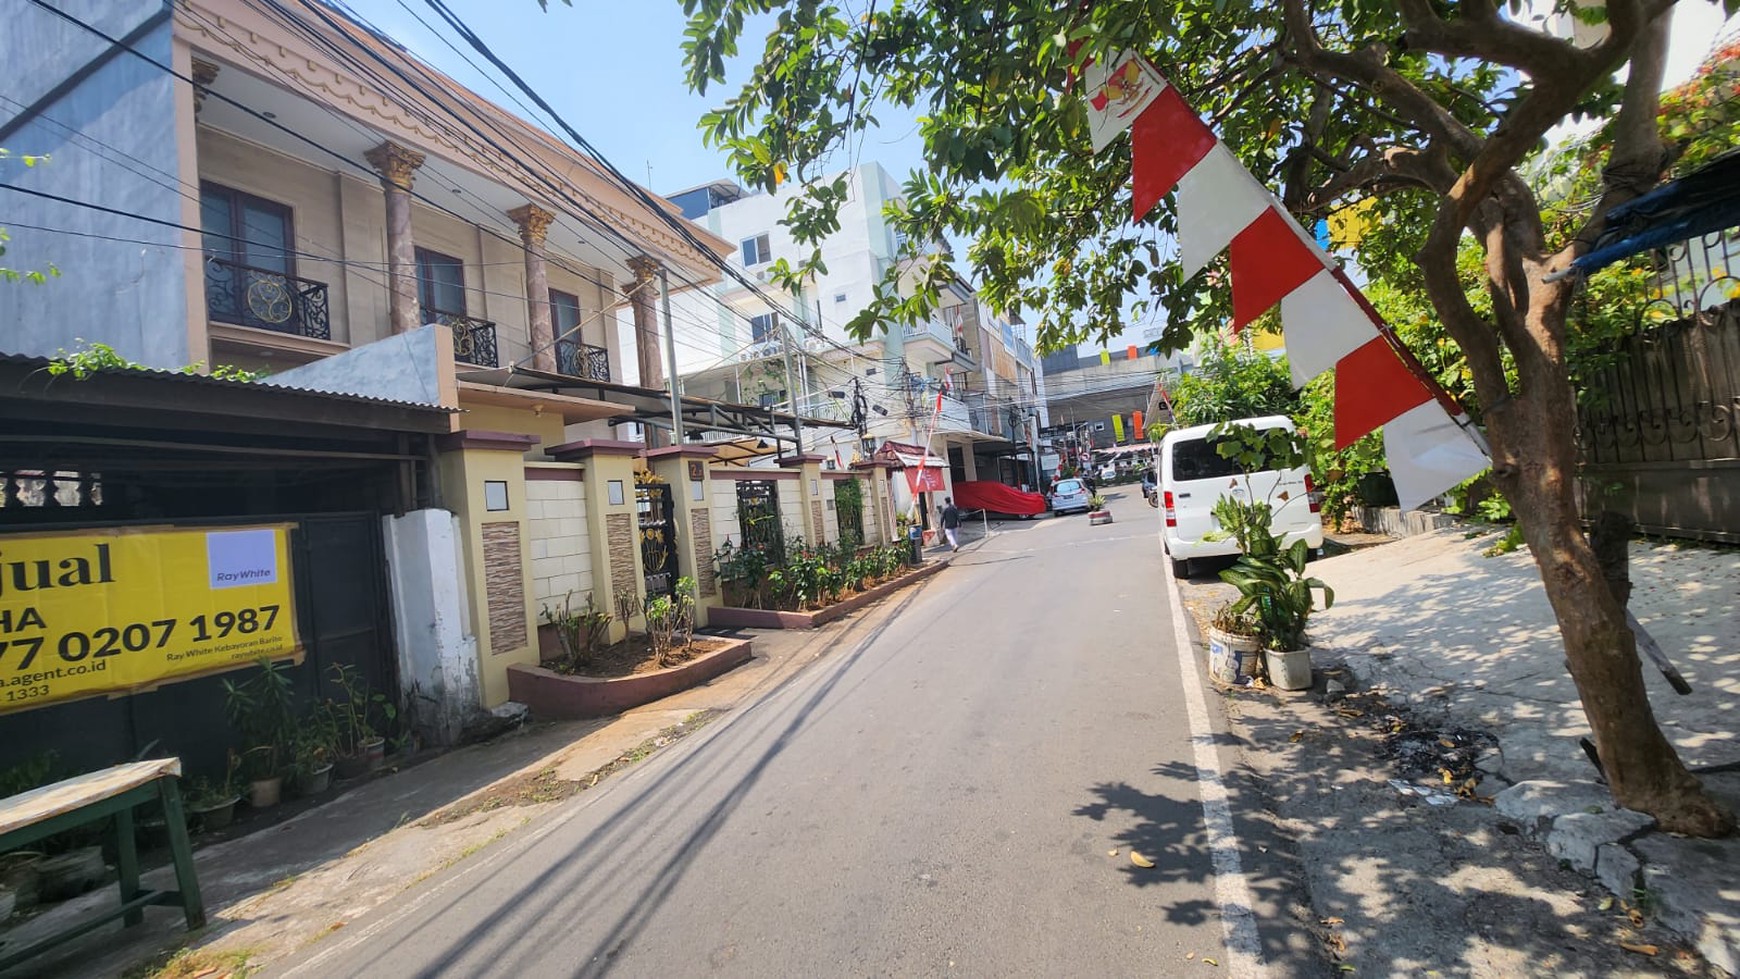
{"x":733,"y":344}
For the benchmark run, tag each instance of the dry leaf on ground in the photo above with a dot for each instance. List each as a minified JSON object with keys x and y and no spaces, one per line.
{"x":1640,"y":949}
{"x":1140,"y":861}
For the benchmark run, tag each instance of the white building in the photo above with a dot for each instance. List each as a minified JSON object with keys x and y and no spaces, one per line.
{"x":732,"y":346}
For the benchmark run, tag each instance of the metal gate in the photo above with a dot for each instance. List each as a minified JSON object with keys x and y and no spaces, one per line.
{"x":340,"y":583}
{"x":758,"y":518}
{"x":658,"y":537}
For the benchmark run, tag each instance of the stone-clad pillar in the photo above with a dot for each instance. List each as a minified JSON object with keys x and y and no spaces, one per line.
{"x":397,"y":165}
{"x":685,"y":469}
{"x":534,"y":224}
{"x":644,"y":294}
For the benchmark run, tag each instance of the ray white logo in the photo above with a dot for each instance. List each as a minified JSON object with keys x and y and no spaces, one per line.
{"x":236,"y":558}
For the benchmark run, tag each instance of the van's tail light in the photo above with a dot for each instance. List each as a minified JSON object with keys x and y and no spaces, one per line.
{"x":1171,"y":513}
{"x":1312,"y":496}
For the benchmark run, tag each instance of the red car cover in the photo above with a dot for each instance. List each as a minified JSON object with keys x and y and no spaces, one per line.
{"x":998,"y":498}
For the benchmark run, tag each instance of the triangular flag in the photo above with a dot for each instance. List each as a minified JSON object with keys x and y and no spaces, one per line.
{"x":1321,"y":324}
{"x":1167,"y":141}
{"x":1217,"y":199}
{"x":1116,"y":92}
{"x":1429,"y":453}
{"x":1268,"y":260}
{"x":1372,"y":386}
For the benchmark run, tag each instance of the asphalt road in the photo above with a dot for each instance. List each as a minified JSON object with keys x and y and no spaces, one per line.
{"x":938,"y":795}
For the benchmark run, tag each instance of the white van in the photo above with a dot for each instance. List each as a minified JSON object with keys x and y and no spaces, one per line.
{"x":1193,"y":478}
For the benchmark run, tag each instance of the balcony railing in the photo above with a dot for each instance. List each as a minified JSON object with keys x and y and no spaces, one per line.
{"x":577,"y":359}
{"x":473,"y":339}
{"x":266,"y":300}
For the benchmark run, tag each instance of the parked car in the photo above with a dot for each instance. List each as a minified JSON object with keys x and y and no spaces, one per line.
{"x":1193,"y":478}
{"x":1150,"y":488}
{"x":1070,"y":495}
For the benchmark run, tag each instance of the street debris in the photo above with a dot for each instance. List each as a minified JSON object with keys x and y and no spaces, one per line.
{"x":1651,"y":950}
{"x":1141,"y":861}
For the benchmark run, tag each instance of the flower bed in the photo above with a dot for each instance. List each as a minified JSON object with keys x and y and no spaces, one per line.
{"x":550,"y":694}
{"x":759,"y":618}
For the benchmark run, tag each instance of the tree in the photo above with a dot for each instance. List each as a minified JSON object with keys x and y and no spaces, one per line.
{"x":1433,"y":107}
{"x":1233,"y":381}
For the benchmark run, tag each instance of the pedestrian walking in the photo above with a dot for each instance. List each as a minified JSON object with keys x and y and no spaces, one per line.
{"x":951,"y":522}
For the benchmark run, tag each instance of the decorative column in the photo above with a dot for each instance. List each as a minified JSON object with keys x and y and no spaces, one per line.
{"x":643,"y":293}
{"x":204,"y":73}
{"x":685,"y":469}
{"x":810,"y":507}
{"x":612,"y":527}
{"x":397,"y":166}
{"x":534,"y":224}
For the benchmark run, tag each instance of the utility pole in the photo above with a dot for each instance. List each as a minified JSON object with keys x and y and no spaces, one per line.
{"x":671,"y":354}
{"x":797,"y":422}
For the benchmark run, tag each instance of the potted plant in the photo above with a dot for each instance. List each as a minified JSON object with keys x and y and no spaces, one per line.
{"x":1097,"y":512}
{"x":361,"y":748}
{"x":1235,"y":641}
{"x":262,"y":710}
{"x":1274,"y":590}
{"x":214,"y":804}
{"x":315,"y":742}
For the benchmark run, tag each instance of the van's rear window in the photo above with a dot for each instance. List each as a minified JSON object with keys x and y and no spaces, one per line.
{"x":1196,"y":459}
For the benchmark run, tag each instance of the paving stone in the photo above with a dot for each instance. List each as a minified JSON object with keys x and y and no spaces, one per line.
{"x":1577,"y":836}
{"x":1617,"y":868}
{"x":1691,"y":889}
{"x":1532,"y":802}
{"x":1492,"y":762}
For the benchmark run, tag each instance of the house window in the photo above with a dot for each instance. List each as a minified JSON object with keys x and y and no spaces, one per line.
{"x":246,"y":230}
{"x":771,"y":399}
{"x":761,"y":328}
{"x":756,"y":250}
{"x":565,"y":316}
{"x":440,"y":283}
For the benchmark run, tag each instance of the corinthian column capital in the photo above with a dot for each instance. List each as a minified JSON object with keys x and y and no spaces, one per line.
{"x":396,"y":164}
{"x":533,"y":221}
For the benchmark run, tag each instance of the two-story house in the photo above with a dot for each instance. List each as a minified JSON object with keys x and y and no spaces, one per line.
{"x":280,"y":188}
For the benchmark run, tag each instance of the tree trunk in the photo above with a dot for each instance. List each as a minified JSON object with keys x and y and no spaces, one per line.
{"x":1532,"y":434}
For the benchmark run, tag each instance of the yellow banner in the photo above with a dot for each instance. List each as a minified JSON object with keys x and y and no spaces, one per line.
{"x":118,"y":611}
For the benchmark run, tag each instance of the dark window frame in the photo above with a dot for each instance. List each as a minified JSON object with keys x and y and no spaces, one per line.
{"x":232,"y":251}
{"x":556,"y":326}
{"x":425,"y":283}
{"x":761,"y":244}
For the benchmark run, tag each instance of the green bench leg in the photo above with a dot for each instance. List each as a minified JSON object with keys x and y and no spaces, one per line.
{"x":182,"y":852}
{"x":127,"y":860}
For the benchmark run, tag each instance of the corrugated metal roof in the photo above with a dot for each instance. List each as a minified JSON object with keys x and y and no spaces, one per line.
{"x":207,"y":381}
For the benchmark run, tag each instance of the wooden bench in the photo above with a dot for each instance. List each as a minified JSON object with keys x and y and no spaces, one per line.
{"x":116,"y":791}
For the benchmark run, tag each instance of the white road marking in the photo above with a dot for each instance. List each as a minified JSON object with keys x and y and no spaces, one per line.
{"x":1232,"y":892}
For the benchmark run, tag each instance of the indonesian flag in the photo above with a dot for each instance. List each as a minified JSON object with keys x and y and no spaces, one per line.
{"x":1326,"y":321}
{"x":947,"y":386}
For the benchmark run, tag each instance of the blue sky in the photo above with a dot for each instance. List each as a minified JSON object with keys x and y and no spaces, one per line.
{"x":613,"y":69}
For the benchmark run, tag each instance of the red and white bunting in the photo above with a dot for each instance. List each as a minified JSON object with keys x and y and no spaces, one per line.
{"x":1429,"y":452}
{"x":1320,"y":324}
{"x":1326,"y":322}
{"x":1116,"y":92}
{"x":1217,"y":199}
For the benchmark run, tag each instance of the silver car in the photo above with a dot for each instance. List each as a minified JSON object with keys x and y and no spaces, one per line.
{"x":1070,"y":495}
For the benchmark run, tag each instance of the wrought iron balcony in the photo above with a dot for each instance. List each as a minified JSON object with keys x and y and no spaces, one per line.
{"x":473,"y":339}
{"x":266,"y":300}
{"x":577,"y":359}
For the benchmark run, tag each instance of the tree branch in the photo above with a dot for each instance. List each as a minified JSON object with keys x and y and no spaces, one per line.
{"x":1480,"y":33}
{"x":1396,"y":166}
{"x":1366,"y":68}
{"x":1638,"y":160}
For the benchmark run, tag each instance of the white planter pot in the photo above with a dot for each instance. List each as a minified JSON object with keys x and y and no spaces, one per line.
{"x":1291,"y":670}
{"x":1230,"y":656}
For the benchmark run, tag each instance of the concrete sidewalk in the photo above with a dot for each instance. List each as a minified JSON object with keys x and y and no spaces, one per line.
{"x":1470,"y":641}
{"x":289,"y":885}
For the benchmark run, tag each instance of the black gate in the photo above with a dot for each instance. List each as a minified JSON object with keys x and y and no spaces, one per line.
{"x":341,"y":618}
{"x":658,"y":537}
{"x":758,"y":518}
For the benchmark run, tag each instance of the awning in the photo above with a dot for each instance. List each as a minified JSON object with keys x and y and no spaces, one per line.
{"x":738,"y":451}
{"x":915,"y":462}
{"x":1702,"y":202}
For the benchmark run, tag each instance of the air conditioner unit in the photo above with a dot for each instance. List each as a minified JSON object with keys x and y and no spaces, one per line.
{"x":816,"y":345}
